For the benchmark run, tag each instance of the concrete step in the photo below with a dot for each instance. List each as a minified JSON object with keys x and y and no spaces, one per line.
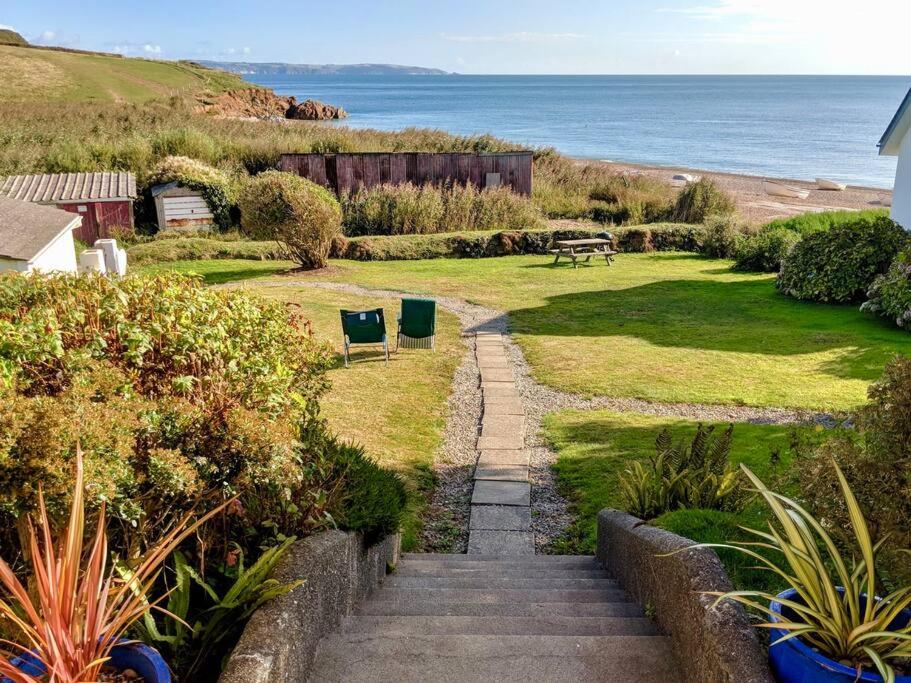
{"x":502,"y":626}
{"x":493,"y":582}
{"x":498,"y":595}
{"x":357,"y":657}
{"x":563,"y":561}
{"x":518,"y":609}
{"x":434,"y":569}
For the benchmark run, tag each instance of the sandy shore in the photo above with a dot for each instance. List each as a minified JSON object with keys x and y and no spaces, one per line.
{"x":754,"y":204}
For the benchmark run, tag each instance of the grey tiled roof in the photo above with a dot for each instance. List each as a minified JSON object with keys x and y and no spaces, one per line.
{"x":69,"y":187}
{"x":26,"y":228}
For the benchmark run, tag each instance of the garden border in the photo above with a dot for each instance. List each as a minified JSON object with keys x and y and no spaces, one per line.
{"x":279,"y":642}
{"x":712,"y":645}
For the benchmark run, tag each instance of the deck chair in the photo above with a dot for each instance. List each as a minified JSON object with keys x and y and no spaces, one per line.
{"x":417,"y":324}
{"x":364,"y":327}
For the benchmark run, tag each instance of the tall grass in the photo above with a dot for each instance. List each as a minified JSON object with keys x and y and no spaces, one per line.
{"x":423,"y":209}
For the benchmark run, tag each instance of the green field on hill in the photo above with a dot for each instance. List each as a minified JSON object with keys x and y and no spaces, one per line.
{"x":29,"y":74}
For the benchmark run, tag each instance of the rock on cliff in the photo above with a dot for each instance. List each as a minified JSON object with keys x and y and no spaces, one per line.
{"x":262,"y":103}
{"x":314,"y":110}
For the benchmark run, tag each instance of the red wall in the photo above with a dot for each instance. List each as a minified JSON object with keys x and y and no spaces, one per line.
{"x":100,"y":217}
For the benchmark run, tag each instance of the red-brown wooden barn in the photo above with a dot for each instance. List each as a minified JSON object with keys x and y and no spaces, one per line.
{"x":103,"y":199}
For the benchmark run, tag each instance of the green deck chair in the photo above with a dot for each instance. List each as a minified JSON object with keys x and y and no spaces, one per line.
{"x":364,"y":327}
{"x":417,"y":324}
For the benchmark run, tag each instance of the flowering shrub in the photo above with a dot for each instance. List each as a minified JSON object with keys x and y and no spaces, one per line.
{"x":890,"y":294}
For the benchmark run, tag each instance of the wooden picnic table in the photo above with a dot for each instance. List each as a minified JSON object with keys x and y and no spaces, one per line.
{"x":576,"y":249}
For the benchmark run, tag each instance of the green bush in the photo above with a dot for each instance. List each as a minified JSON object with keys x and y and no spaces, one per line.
{"x":179,"y":248}
{"x":700,"y":200}
{"x":809,"y":223}
{"x":684,"y":476}
{"x":720,"y":236}
{"x":764,"y":251}
{"x":840,"y":264}
{"x":216,"y":187}
{"x":412,"y":210}
{"x":372,"y":499}
{"x":302,"y":216}
{"x":876,"y":461}
{"x":890,"y":294}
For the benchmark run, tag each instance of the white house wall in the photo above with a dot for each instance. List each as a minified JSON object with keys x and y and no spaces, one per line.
{"x":60,"y":255}
{"x":901,"y":198}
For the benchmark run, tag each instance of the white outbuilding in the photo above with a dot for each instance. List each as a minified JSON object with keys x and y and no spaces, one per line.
{"x":36,"y":238}
{"x":896,"y":142}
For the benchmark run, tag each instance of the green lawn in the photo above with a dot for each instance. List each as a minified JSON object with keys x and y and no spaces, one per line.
{"x":397,"y":412}
{"x":664,"y":327}
{"x":595,"y":447}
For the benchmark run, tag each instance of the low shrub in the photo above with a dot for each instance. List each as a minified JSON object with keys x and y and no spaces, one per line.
{"x":890,"y":294}
{"x":410,"y":209}
{"x":840,"y":264}
{"x":720,"y":236}
{"x":876,"y":461}
{"x":764,"y":251}
{"x":372,"y":500}
{"x":808,"y":223}
{"x":300,"y":215}
{"x":217,"y":187}
{"x":684,"y":476}
{"x":700,"y":200}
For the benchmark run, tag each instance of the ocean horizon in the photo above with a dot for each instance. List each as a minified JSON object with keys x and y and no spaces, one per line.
{"x":778,"y":126}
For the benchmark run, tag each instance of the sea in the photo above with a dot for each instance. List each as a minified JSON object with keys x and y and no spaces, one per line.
{"x":779,"y":126}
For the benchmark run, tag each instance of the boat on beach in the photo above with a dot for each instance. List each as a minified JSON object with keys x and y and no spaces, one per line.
{"x":826,"y":184}
{"x":687,"y":177}
{"x":777,"y":189}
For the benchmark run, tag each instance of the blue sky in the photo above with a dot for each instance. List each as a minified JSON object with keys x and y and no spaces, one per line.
{"x":494,"y":36}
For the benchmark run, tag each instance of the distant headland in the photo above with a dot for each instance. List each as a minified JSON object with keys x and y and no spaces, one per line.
{"x":283,"y":69}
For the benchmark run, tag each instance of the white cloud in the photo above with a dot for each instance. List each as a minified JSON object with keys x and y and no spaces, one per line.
{"x":151,"y":49}
{"x":518,"y":37}
{"x":246,"y":50}
{"x":148,"y":49}
{"x":6,"y":27}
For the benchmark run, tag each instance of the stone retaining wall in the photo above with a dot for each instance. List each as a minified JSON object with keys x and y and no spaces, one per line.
{"x":280,"y":640}
{"x":712,"y":645}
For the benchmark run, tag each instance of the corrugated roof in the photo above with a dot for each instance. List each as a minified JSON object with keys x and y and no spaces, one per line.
{"x":27,"y":228}
{"x":69,"y":187}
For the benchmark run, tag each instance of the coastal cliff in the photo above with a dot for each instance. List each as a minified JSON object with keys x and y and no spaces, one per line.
{"x":262,"y":103}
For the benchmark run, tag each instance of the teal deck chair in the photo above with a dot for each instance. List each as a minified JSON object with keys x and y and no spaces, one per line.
{"x":417,"y":324}
{"x":364,"y":327}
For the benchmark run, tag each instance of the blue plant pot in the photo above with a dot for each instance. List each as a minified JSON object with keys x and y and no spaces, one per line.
{"x":139,"y":657}
{"x":795,"y":662}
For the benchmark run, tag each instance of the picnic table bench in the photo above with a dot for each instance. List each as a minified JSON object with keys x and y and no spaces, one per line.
{"x":576,"y":249}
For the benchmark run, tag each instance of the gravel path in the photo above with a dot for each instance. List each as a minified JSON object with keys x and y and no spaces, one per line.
{"x":446,"y":527}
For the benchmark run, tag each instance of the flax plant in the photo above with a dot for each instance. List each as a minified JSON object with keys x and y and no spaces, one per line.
{"x":79,"y":608}
{"x":836,"y":610}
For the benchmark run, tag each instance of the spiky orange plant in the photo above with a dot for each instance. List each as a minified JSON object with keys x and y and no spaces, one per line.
{"x":81,"y":608}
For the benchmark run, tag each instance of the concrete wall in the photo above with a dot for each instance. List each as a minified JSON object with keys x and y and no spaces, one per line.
{"x":712,"y":645}
{"x":901,"y":199}
{"x":280,"y":640}
{"x":60,"y":255}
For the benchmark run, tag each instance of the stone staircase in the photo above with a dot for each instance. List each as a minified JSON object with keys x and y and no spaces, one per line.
{"x":496,"y":618}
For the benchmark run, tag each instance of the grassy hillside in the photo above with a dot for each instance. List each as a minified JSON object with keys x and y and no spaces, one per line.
{"x":10,"y":37}
{"x":29,"y":74}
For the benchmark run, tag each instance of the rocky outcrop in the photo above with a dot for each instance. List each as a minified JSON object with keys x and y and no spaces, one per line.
{"x":314,"y":110}
{"x":262,"y":103}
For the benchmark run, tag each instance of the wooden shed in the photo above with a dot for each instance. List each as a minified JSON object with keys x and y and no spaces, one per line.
{"x":343,"y":173}
{"x":180,"y":208}
{"x":104,"y":199}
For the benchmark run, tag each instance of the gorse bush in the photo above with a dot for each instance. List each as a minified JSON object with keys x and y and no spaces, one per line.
{"x":890,"y":294}
{"x":839,"y":265}
{"x":409,"y":209}
{"x":700,"y":200}
{"x":684,"y":476}
{"x":876,"y":461}
{"x":217,"y":188}
{"x":764,"y":251}
{"x":302,"y":216}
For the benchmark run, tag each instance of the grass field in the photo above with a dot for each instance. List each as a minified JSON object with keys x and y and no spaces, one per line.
{"x":397,"y":412}
{"x":28,"y":74}
{"x":662,"y":326}
{"x":595,"y":447}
